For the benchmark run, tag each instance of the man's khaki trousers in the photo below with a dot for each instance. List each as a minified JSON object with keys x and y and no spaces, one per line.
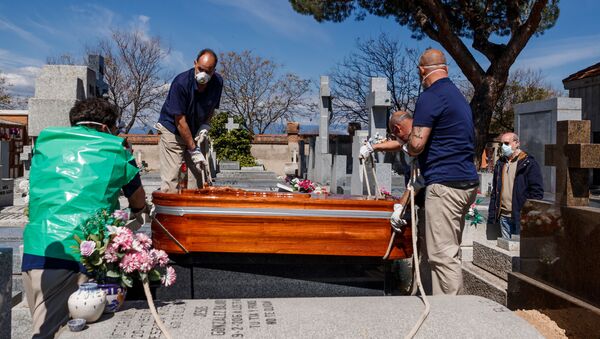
{"x":172,"y":151}
{"x":47,"y":292}
{"x":445,"y":212}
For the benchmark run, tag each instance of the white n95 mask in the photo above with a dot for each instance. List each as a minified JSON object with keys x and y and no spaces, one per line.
{"x":202,"y":78}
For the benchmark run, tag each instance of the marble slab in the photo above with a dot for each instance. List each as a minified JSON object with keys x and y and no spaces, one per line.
{"x":364,"y":317}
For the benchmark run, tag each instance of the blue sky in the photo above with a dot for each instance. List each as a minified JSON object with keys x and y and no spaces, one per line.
{"x":30,"y":31}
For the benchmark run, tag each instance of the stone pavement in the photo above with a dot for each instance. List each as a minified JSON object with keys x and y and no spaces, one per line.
{"x":364,"y":317}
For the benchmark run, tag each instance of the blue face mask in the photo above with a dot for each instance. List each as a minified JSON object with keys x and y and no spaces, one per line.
{"x":507,"y":151}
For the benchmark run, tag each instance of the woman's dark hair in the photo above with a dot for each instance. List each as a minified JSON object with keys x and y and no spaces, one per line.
{"x":96,"y":110}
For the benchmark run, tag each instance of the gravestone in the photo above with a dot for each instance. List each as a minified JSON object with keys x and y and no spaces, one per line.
{"x":324,"y":114}
{"x":4,"y":159}
{"x":367,"y":317}
{"x":56,"y":90}
{"x":7,"y":189}
{"x":338,"y":174}
{"x":378,"y":102}
{"x":6,"y":257}
{"x":560,"y":240}
{"x":323,"y":159}
{"x":228,"y":165}
{"x":358,"y":180}
{"x":535,"y":123}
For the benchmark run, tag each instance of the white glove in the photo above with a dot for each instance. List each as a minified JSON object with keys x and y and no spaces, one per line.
{"x":198,"y":158}
{"x":407,"y":157}
{"x":366,"y":150}
{"x":202,"y":134}
{"x":396,"y":218}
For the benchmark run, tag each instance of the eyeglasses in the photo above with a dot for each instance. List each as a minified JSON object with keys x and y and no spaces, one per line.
{"x":506,"y":143}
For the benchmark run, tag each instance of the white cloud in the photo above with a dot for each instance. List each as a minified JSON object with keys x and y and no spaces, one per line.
{"x":21,"y":81}
{"x":20,"y":72}
{"x":176,"y":61}
{"x":22,"y":33}
{"x":278,"y":16}
{"x":561,"y":52}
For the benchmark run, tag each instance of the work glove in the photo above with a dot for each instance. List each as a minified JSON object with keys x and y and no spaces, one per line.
{"x":366,"y":150}
{"x":198,"y":158}
{"x":418,"y":184}
{"x":396,"y":218}
{"x":138,"y":219}
{"x":202,"y":134}
{"x":407,"y":157}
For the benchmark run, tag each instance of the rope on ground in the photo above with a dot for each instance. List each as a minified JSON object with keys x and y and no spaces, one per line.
{"x":417,"y":326}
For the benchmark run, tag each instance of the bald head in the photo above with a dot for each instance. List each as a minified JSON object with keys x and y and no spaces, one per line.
{"x":401,"y":125}
{"x":397,"y":117}
{"x":432,"y":57}
{"x":509,"y":136}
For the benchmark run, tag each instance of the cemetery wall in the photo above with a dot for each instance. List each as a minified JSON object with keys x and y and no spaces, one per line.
{"x":18,"y":116}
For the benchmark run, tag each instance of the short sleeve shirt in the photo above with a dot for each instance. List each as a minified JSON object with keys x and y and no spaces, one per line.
{"x":184,"y":99}
{"x":448,"y":154}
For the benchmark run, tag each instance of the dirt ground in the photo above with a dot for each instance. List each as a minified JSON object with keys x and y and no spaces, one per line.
{"x":546,"y":326}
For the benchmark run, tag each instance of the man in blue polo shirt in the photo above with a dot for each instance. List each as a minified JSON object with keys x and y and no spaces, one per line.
{"x":443,"y":137}
{"x":185,"y":119}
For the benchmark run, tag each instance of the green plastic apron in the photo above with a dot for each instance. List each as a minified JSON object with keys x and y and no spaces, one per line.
{"x":75,"y":171}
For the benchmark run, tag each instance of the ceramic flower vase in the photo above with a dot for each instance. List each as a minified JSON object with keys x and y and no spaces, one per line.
{"x":87,"y":302}
{"x":115,"y":297}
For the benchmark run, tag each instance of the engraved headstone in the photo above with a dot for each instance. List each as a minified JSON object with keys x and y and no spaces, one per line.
{"x":366,"y":317}
{"x":7,"y":192}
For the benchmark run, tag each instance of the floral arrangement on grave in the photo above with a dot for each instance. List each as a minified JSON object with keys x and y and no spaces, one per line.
{"x":387,"y":194}
{"x":473,"y":215}
{"x":111,"y":252}
{"x":540,"y":223}
{"x":377,"y":139}
{"x":306,"y":186}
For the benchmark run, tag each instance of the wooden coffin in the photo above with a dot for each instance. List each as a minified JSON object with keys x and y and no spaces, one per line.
{"x":236,"y":221}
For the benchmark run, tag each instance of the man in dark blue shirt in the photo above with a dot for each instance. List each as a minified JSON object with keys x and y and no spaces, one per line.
{"x":185,"y":120}
{"x":443,"y":137}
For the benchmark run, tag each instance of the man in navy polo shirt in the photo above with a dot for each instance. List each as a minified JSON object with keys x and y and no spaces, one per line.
{"x":443,"y":137}
{"x":185,"y":120}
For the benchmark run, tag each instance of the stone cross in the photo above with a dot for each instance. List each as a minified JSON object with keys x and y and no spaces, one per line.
{"x":573,"y":156}
{"x":230,"y":125}
{"x":324,"y":114}
{"x":378,"y":103}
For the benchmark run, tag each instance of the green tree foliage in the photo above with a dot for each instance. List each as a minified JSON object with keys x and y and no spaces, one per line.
{"x":499,"y":30}
{"x":231,"y":145}
{"x":523,"y":85}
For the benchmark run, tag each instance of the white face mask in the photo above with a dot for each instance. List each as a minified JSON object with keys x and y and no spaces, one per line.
{"x":202,"y":78}
{"x":507,"y":151}
{"x":430,"y":73}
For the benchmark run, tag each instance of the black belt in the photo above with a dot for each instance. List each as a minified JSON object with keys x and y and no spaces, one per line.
{"x":463,"y":185}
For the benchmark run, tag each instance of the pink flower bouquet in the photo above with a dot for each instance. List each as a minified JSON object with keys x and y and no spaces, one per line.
{"x":112,"y":252}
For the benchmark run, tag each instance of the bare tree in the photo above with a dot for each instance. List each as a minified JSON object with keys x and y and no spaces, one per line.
{"x":5,"y":97}
{"x":132,"y":69}
{"x":383,"y":57}
{"x":255,"y":90}
{"x":523,"y":85}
